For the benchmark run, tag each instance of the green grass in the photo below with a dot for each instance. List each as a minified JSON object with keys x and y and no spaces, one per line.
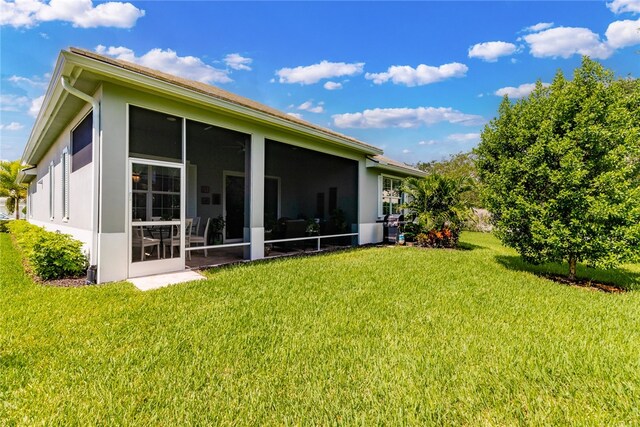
{"x":370,"y":336}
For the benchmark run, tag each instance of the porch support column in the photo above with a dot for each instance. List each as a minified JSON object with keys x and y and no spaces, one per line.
{"x":255,"y":230}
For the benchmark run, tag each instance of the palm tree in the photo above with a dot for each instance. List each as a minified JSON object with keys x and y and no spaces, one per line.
{"x":9,"y":186}
{"x":437,"y":201}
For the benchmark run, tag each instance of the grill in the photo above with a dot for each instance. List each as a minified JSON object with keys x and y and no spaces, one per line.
{"x":391,"y":226}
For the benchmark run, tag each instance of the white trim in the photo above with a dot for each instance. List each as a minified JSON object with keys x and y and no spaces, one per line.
{"x":66,"y":172}
{"x":381,"y":189}
{"x":52,"y":204}
{"x":147,"y":267}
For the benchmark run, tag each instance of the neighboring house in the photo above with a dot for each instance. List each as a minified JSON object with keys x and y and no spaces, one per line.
{"x":121,"y":154}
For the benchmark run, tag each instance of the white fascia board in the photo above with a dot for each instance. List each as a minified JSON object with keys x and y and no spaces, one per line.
{"x":191,"y":96}
{"x":392,"y":168}
{"x":53,"y":99}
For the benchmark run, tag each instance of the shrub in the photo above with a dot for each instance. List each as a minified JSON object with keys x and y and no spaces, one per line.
{"x":50,"y":255}
{"x":443,"y":238}
{"x":56,"y":256}
{"x":3,"y":226}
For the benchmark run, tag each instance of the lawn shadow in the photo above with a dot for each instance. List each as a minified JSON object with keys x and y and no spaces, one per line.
{"x":466,"y":246}
{"x":616,"y":277}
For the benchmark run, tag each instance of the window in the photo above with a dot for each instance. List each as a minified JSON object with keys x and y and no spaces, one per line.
{"x":154,"y":135}
{"x":82,"y":143}
{"x":391,"y":195}
{"x":51,"y":191}
{"x":64,"y":161}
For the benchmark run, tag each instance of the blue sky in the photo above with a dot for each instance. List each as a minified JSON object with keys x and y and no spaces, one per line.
{"x":419,"y":79}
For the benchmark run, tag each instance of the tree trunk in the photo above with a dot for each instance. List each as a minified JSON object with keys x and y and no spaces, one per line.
{"x":572,"y":267}
{"x":17,"y":201}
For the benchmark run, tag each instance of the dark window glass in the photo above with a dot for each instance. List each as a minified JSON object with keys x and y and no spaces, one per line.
{"x":82,"y":143}
{"x":154,"y":135}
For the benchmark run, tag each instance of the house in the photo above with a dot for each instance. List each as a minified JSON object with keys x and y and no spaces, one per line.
{"x":127,"y":159}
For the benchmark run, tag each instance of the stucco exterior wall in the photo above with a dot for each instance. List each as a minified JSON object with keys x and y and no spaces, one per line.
{"x":78,"y":223}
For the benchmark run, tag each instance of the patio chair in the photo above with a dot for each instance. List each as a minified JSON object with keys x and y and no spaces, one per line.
{"x":201,"y":239}
{"x":138,"y":240}
{"x":174,"y":239}
{"x":196,"y":226}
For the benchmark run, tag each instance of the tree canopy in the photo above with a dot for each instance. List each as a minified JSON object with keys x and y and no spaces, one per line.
{"x":436,"y":201}
{"x":459,"y":166}
{"x":562,"y":170}
{"x":9,"y":186}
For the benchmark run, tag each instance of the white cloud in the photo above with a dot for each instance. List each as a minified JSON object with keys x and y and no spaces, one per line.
{"x":518,"y":92}
{"x":622,"y":6}
{"x":311,"y":74}
{"x":428,"y":142}
{"x":332,"y":85}
{"x":379,"y":118}
{"x":623,"y":33}
{"x":308,"y":106}
{"x":406,"y":151}
{"x":491,"y":51}
{"x":296,"y":115}
{"x":13,"y":126}
{"x":34,"y":108}
{"x":14,"y":102}
{"x":419,"y":76}
{"x":567,"y":41}
{"x":464,"y":137}
{"x":238,"y":62}
{"x":81,"y":13}
{"x":168,"y":61}
{"x":34,"y":82}
{"x":538,"y":27}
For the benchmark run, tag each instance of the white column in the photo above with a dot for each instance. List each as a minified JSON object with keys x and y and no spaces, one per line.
{"x":256,"y":197}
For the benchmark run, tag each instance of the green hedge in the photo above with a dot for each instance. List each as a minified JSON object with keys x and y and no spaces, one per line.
{"x":51,"y":255}
{"x":3,"y":225}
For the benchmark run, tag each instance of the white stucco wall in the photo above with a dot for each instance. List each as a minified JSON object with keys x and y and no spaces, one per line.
{"x":78,"y":223}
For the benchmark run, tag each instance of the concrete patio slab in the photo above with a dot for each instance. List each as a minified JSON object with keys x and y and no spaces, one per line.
{"x":147,"y":283}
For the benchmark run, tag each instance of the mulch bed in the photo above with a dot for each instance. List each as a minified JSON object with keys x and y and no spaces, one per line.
{"x":74,"y":282}
{"x":585,"y":284}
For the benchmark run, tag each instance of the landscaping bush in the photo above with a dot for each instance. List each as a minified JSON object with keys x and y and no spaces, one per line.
{"x":444,"y":238}
{"x":50,"y":255}
{"x":3,"y":226}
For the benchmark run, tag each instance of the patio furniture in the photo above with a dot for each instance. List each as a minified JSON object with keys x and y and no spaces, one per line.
{"x":201,"y":239}
{"x":174,"y":239}
{"x":138,"y":240}
{"x":196,"y":226}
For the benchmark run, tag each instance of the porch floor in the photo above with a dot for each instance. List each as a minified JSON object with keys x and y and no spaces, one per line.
{"x":225,"y":256}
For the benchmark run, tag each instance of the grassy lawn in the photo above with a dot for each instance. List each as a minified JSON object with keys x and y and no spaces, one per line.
{"x":370,"y":336}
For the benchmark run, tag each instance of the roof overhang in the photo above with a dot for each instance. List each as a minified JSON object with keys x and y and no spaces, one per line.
{"x":72,"y":65}
{"x":27,"y":175}
{"x":382,"y":164}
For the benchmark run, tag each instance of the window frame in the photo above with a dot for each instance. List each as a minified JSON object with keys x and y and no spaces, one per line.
{"x":381,"y":197}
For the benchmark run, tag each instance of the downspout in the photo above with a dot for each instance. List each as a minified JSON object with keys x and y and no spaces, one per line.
{"x":95,"y":179}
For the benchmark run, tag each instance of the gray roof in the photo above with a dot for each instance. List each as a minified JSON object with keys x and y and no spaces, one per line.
{"x":215,"y":92}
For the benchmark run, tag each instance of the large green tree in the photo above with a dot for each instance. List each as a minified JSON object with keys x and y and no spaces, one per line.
{"x":562,"y":170}
{"x":9,"y":186}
